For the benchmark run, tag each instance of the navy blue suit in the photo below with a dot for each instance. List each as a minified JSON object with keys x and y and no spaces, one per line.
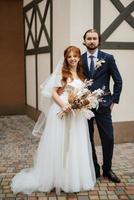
{"x":102,"y":117}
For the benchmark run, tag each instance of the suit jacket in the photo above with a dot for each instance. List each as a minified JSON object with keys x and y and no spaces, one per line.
{"x":102,"y":77}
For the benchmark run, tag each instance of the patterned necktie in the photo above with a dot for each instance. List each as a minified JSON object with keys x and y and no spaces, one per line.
{"x":92,"y":69}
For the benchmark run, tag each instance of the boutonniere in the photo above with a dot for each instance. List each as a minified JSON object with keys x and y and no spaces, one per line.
{"x":99,"y":63}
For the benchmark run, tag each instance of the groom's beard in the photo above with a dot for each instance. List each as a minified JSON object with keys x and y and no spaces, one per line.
{"x":92,"y":47}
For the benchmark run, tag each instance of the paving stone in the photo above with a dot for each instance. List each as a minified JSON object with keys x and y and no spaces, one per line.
{"x":129,"y":188}
{"x":131,"y":180}
{"x":103,"y":188}
{"x":120,"y":184}
{"x":21,"y":195}
{"x":10,"y":195}
{"x":96,"y":188}
{"x":73,"y":197}
{"x":61,"y":198}
{"x":93,"y":192}
{"x":51,"y":194}
{"x":110,"y":192}
{"x":33,"y":194}
{"x":42,"y":198}
{"x":7,"y":191}
{"x":111,"y":188}
{"x":111,"y":184}
{"x":2,"y":195}
{"x":129,"y":192}
{"x":82,"y":193}
{"x":112,"y":197}
{"x":131,"y":197}
{"x":103,"y":184}
{"x":52,"y":198}
{"x":129,"y":184}
{"x":94,"y":197}
{"x":2,"y":169}
{"x":32,"y":198}
{"x":40,"y":194}
{"x":83,"y":198}
{"x":21,"y":198}
{"x":4,"y":183}
{"x":103,"y":197}
{"x":17,"y":146}
{"x":123,"y":197}
{"x":120,"y":190}
{"x":102,"y":192}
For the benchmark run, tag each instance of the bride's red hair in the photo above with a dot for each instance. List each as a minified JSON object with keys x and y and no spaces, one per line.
{"x":66,"y":72}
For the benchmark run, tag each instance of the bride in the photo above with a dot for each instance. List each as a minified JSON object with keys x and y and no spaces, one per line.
{"x":64,"y":156}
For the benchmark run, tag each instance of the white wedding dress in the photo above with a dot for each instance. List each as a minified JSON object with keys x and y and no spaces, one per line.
{"x":64,"y":156}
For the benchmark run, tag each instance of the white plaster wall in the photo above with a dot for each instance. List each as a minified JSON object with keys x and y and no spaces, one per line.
{"x":43,"y":41}
{"x":25,"y":2}
{"x":43,"y":60}
{"x":61,"y":28}
{"x":81,"y":19}
{"x":30,"y":81}
{"x":71,"y":19}
{"x":124,"y":33}
{"x":30,"y":43}
{"x":125,"y":110}
{"x":43,"y":70}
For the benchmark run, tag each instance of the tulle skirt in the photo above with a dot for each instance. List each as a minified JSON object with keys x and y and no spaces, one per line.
{"x":63,"y":159}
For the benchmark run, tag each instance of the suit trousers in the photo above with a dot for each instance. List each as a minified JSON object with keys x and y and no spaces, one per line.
{"x":105,"y":128}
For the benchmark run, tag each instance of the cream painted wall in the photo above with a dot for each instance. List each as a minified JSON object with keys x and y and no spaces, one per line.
{"x":30,"y":81}
{"x":70,"y":21}
{"x":61,"y":23}
{"x":125,"y":110}
{"x":81,"y":19}
{"x":25,"y":2}
{"x":43,"y":70}
{"x":61,"y":28}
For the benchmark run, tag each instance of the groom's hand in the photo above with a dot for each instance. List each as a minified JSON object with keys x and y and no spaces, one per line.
{"x":111,"y":107}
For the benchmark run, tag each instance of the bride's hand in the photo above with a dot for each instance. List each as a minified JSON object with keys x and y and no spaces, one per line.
{"x":88,"y":82}
{"x":60,"y":90}
{"x":66,"y":108}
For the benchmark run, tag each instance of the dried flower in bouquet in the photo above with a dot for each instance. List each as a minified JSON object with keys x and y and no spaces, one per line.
{"x":83,"y":99}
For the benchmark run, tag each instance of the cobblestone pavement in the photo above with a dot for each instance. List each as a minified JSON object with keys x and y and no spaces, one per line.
{"x":16,"y":150}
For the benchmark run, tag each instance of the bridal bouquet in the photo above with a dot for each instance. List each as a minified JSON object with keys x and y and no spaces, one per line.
{"x":83,"y":99}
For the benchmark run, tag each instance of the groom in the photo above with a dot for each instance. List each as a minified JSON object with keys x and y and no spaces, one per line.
{"x":100,"y":67}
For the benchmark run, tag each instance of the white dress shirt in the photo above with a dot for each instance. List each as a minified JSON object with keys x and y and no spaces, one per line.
{"x":94,"y":58}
